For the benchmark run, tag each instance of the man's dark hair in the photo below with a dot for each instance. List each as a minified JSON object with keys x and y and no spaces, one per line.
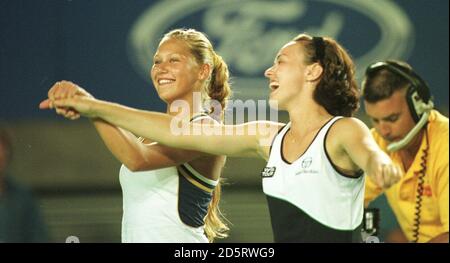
{"x":381,"y":84}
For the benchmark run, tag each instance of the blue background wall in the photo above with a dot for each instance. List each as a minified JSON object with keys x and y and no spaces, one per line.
{"x":86,"y":42}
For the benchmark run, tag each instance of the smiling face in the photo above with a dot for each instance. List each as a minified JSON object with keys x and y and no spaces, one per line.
{"x":175,"y":73}
{"x":287,"y":75}
{"x":391,"y":117}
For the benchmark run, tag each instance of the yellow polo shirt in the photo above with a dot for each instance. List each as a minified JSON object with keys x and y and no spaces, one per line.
{"x":402,"y":196}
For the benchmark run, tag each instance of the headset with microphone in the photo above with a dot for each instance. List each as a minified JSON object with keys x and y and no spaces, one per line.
{"x":418,"y":98}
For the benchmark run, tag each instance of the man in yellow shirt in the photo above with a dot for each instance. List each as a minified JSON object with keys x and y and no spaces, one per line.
{"x":415,"y":136}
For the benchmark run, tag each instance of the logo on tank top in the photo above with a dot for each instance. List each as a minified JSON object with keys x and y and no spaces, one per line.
{"x":305,"y":165}
{"x":268,"y":172}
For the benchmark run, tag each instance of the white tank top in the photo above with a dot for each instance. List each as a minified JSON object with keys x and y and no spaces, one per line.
{"x":151,"y":202}
{"x":309,"y":200}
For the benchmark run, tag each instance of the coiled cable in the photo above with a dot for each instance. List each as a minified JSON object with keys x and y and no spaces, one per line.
{"x":419,"y":194}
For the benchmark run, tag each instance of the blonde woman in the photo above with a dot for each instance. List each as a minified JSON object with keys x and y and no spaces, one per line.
{"x":169,"y":195}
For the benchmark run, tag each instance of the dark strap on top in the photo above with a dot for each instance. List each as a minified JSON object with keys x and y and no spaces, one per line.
{"x":202,"y":114}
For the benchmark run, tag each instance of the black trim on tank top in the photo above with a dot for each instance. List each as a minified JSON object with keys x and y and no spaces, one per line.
{"x":274,"y":137}
{"x":202,"y":114}
{"x":185,"y":171}
{"x":315,"y":136}
{"x":290,"y":224}
{"x":356,"y":175}
{"x":193,"y":202}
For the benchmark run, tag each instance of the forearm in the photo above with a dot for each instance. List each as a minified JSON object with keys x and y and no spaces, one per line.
{"x":376,"y":158}
{"x":230,"y":140}
{"x":122,"y":144}
{"x":152,"y":125}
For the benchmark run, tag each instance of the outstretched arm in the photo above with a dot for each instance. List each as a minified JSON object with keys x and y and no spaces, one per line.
{"x":358,"y":143}
{"x":250,"y":139}
{"x":124,"y":145}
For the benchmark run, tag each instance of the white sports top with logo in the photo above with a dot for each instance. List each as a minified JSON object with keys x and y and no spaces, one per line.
{"x":309,"y":200}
